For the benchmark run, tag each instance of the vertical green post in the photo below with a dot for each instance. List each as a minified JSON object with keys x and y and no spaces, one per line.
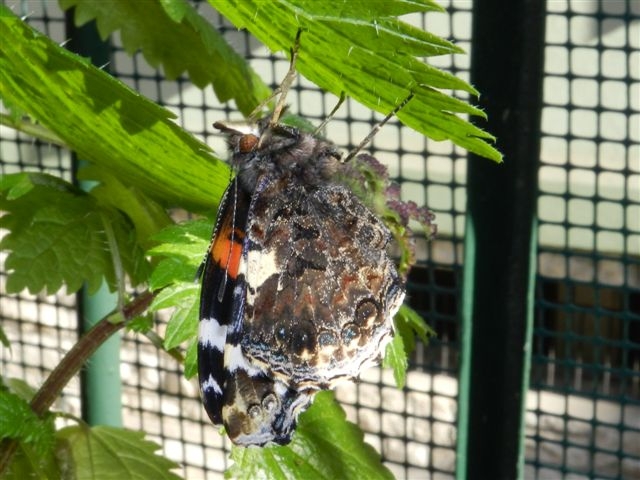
{"x":100,"y":380}
{"x":500,"y":241}
{"x":101,"y":385}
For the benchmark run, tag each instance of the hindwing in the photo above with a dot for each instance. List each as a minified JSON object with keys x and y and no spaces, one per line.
{"x":321,"y":288}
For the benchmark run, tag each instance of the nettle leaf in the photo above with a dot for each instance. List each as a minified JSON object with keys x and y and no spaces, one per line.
{"x":183,"y":324}
{"x":361,"y":48}
{"x":110,"y":453}
{"x":408,"y":325}
{"x":191,"y":360}
{"x":181,"y":249}
{"x":104,"y":121}
{"x":19,"y":387}
{"x":141,"y":324}
{"x":61,"y":235}
{"x":147,"y":215}
{"x":325,"y":446}
{"x":173,"y":34}
{"x":395,"y":357}
{"x":34,"y":456}
{"x":18,"y":421}
{"x":28,"y":463}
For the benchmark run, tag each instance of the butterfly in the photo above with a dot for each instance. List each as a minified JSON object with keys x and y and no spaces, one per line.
{"x":298,"y":290}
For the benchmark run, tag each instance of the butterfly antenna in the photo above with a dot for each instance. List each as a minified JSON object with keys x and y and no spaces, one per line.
{"x":377,"y":128}
{"x":341,"y":100}
{"x":283,"y":90}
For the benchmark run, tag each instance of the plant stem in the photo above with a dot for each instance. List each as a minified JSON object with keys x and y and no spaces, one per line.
{"x":72,"y":363}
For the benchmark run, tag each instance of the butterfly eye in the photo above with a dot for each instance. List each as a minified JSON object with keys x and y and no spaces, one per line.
{"x":247,"y":143}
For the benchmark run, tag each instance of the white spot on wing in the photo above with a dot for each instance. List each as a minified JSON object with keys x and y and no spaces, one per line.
{"x":258,"y":438}
{"x":235,"y":359}
{"x":280,"y":389}
{"x":211,"y":334}
{"x":211,"y":384}
{"x":261,"y":265}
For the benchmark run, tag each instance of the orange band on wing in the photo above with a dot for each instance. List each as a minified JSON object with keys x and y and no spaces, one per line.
{"x":226,"y":250}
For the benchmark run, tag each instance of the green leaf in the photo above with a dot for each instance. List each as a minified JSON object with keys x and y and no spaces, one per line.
{"x":191,"y":360}
{"x":141,"y":324}
{"x":325,"y":446}
{"x":182,"y":327}
{"x":173,"y":34}
{"x":20,"y":388}
{"x":19,"y":422}
{"x":182,"y":249}
{"x":110,"y":453}
{"x":28,"y":463}
{"x":59,"y":234}
{"x":408,"y":324}
{"x":361,"y":48}
{"x":183,"y":324}
{"x":25,"y":125}
{"x":395,"y":357}
{"x":147,"y":215}
{"x":104,"y":121}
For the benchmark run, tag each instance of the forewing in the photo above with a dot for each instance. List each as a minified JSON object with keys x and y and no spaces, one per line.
{"x":221,"y":296}
{"x":255,"y":407}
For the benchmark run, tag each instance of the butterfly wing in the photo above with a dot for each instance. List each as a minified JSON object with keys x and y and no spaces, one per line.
{"x":321,"y":288}
{"x":298,"y":289}
{"x":254,"y":408}
{"x":221,"y":296}
{"x":259,"y":409}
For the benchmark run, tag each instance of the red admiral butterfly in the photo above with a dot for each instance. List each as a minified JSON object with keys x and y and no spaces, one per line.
{"x":298,"y":291}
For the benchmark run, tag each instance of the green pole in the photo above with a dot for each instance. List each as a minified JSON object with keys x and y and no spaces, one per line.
{"x":500,"y":241}
{"x":100,"y":379}
{"x":101,"y":385}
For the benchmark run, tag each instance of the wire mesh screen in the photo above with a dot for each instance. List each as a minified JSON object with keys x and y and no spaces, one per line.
{"x":583,"y":408}
{"x":414,"y":429}
{"x":584,"y":405}
{"x":41,"y":328}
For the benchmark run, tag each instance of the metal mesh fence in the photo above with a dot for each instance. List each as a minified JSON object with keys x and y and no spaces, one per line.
{"x":584,"y":404}
{"x":41,"y":328}
{"x":583,"y":415}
